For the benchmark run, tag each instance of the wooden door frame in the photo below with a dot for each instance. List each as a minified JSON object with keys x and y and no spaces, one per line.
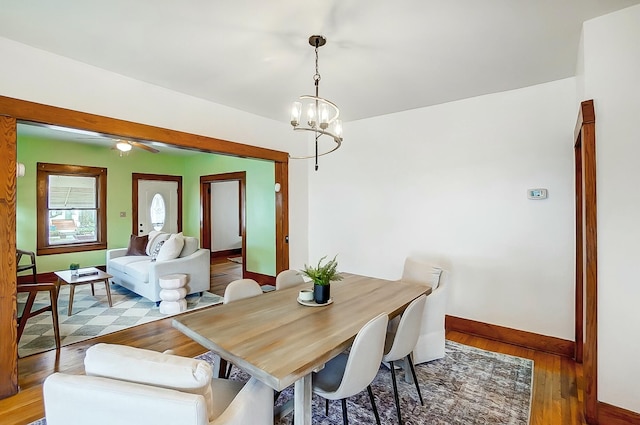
{"x":135,"y":178}
{"x":8,"y":292}
{"x":586,"y":289}
{"x":205,"y":209}
{"x":13,"y":110}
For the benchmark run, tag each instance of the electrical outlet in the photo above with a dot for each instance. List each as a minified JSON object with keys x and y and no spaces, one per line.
{"x":123,"y":214}
{"x":537,"y":193}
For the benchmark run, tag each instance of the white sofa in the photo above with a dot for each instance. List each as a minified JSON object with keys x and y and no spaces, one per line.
{"x":140,"y":274}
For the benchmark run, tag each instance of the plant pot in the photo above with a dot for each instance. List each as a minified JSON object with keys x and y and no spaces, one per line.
{"x":321,"y":293}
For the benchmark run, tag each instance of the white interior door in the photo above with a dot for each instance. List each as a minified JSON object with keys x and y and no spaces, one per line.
{"x":157,"y":206}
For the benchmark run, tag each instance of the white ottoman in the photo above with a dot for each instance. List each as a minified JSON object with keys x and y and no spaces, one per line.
{"x":173,"y":293}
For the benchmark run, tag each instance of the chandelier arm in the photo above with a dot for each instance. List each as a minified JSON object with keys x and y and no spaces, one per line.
{"x":336,"y":110}
{"x":337,"y":140}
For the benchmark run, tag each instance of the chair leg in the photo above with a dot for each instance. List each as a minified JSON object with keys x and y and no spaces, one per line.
{"x":345,"y":420}
{"x":26,"y":313}
{"x":326,"y":407}
{"x":53,"y":293}
{"x":415,"y":378}
{"x":373,"y":404}
{"x":395,"y":392}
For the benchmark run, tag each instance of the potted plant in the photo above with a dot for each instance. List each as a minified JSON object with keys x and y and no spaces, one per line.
{"x":322,"y":275}
{"x":74,"y":268}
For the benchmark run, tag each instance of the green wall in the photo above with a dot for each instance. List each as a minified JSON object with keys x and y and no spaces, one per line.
{"x":260,"y":196}
{"x":260,"y":204}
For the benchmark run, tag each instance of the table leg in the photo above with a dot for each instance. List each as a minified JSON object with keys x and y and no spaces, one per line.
{"x":71,"y":291}
{"x":219,"y":366}
{"x":106,"y":286}
{"x":302,"y":400}
{"x":93,"y":291}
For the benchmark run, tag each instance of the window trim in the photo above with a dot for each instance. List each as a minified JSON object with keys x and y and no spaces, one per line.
{"x":42,"y":195}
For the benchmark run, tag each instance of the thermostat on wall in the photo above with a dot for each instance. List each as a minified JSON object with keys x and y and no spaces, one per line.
{"x":537,"y":193}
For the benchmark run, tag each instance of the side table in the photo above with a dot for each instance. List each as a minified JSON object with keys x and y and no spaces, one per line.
{"x":85,"y":276}
{"x":173,"y":293}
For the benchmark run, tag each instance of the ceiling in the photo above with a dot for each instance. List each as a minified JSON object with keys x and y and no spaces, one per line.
{"x":381,"y":57}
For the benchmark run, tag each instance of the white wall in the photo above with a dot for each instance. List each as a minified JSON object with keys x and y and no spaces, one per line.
{"x":225,"y":216}
{"x":612,"y":79}
{"x":38,"y":76}
{"x":451,"y":181}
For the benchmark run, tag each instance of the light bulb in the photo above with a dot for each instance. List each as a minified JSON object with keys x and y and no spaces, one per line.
{"x":123,"y":146}
{"x":324,"y":116}
{"x":311,"y":115}
{"x":296,"y":110}
{"x":337,"y":128}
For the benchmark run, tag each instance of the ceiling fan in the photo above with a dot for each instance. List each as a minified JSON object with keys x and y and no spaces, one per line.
{"x":125,"y":146}
{"x":74,"y":134}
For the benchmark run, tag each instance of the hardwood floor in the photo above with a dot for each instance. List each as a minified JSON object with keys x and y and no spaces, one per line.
{"x":557,"y":382}
{"x":223,"y":271}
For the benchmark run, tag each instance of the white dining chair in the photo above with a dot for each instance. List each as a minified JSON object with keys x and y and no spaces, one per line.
{"x":348,"y":374}
{"x":240,"y":289}
{"x":288,"y":278}
{"x":431,"y":341}
{"x":400,"y":344}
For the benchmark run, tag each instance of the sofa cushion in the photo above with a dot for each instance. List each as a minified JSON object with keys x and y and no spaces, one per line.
{"x":191,"y":245}
{"x":171,"y":248}
{"x":139,"y":270}
{"x":137,"y":245}
{"x":120,"y":264}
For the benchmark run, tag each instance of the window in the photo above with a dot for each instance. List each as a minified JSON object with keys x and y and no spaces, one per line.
{"x":72,"y":208}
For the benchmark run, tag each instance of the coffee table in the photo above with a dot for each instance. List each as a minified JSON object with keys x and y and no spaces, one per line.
{"x":89,"y":275}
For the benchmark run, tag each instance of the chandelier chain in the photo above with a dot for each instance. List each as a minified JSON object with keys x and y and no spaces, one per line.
{"x":317,"y":77}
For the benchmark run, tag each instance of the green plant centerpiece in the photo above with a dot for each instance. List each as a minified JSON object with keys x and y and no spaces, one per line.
{"x":74,"y":268}
{"x":322,"y":276}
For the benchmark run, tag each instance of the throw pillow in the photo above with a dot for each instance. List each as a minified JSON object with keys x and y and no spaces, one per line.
{"x":137,"y":245}
{"x":191,"y":245}
{"x":154,"y":238}
{"x":156,"y":250}
{"x":171,"y":248}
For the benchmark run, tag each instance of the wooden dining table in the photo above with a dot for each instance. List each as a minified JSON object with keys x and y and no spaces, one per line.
{"x":281,"y":342}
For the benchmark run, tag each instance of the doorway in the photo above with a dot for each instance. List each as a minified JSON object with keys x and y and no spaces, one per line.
{"x":234,"y":221}
{"x":156,"y":203}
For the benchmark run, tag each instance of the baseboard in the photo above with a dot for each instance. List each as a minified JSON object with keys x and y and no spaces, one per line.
{"x":613,"y":415}
{"x":262,"y":279}
{"x":525,"y":339}
{"x":226,"y":253}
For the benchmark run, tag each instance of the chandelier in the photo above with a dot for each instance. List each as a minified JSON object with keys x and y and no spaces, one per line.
{"x":321,"y":114}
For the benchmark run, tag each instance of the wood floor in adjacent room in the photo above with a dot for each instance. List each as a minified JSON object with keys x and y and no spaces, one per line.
{"x":557,"y":384}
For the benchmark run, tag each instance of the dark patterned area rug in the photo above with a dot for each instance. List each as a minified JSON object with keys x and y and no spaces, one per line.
{"x":469,"y":386}
{"x":92,"y":316}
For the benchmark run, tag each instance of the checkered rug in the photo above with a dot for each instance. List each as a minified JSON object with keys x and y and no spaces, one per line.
{"x":92,"y":316}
